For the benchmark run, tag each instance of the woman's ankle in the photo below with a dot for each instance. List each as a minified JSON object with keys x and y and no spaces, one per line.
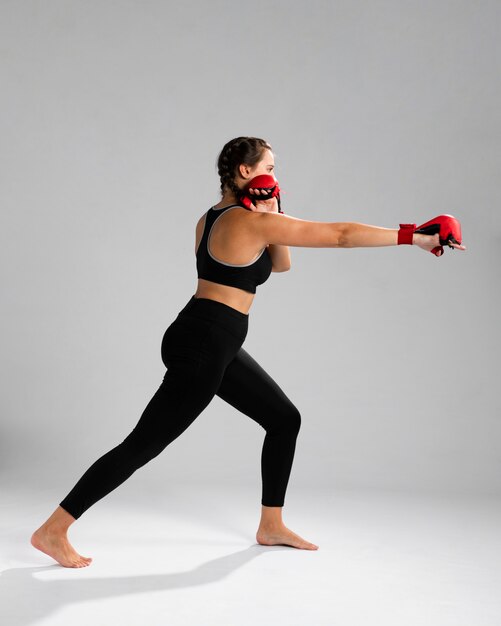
{"x":59,"y":521}
{"x":271,"y":517}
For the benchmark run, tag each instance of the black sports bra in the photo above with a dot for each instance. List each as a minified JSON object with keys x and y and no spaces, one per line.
{"x":246,"y":276}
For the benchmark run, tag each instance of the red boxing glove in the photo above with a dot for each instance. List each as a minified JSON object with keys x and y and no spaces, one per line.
{"x":447,"y":226}
{"x":265,"y":183}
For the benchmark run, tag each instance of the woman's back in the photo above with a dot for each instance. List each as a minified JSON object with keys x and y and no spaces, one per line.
{"x":226,"y":252}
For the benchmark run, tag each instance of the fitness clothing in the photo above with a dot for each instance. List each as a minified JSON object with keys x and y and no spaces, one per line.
{"x":202,"y":351}
{"x":244,"y":276}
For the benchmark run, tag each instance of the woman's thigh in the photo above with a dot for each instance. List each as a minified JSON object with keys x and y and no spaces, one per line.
{"x":251,"y":390}
{"x":196,"y":353}
{"x":193,"y":374}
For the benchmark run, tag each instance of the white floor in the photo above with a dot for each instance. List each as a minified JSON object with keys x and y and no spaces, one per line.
{"x":189,"y":557}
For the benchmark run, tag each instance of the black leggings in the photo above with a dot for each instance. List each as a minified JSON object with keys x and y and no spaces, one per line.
{"x":202,"y":351}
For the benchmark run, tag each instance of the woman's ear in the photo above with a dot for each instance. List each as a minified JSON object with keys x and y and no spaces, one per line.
{"x":244,"y":170}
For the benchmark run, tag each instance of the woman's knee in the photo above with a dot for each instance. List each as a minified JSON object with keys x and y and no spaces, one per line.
{"x":288,"y":421}
{"x":295,"y":420}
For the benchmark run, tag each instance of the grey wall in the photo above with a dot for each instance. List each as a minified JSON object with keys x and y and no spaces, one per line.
{"x":113,"y":114}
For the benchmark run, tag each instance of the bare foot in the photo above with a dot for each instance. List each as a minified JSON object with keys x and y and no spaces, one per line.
{"x":283,"y":536}
{"x":56,"y":545}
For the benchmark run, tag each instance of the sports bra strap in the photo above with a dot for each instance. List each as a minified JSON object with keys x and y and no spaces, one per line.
{"x":226,"y":207}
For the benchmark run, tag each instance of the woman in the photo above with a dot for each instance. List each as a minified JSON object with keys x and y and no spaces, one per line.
{"x":236,"y":249}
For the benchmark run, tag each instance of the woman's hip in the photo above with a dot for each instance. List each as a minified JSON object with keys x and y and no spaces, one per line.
{"x":205,"y":332}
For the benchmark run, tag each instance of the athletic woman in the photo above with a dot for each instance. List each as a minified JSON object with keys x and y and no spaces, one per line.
{"x":236,"y":249}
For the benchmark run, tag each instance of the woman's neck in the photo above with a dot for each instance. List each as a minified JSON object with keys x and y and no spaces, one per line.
{"x":228,"y":198}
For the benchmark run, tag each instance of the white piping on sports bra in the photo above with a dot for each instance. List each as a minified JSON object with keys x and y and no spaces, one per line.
{"x":208,"y":241}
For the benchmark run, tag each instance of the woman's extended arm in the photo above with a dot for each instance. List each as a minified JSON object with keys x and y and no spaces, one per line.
{"x":284,"y":230}
{"x":272,"y":228}
{"x":366,"y":235}
{"x":357,"y":234}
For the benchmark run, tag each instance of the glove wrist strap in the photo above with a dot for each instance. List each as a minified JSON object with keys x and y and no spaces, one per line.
{"x":405,"y":233}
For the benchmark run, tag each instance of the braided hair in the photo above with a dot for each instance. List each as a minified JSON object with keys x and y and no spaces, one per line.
{"x":247,"y":150}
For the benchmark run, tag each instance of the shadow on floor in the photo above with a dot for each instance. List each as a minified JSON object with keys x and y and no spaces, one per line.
{"x":25,"y":599}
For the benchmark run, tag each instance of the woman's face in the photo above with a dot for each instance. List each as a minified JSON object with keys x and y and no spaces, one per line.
{"x":265,"y":166}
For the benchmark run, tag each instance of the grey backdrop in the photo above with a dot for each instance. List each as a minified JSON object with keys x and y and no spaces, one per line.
{"x":113,"y":115}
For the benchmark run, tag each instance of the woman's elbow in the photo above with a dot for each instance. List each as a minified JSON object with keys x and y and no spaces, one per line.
{"x":281,"y":268}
